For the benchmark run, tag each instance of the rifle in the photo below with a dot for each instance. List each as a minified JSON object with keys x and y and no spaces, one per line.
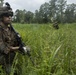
{"x":22,"y":48}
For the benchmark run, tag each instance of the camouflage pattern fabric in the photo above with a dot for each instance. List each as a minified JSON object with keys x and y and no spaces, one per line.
{"x":7,"y":39}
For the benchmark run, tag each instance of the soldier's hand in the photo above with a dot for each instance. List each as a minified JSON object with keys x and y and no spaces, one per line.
{"x":26,"y":49}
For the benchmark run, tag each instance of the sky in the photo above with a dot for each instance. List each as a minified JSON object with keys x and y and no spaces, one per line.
{"x":30,"y":5}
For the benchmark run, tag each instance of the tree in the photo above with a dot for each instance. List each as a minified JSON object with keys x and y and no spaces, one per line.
{"x":37,"y":17}
{"x":44,"y":12}
{"x":53,"y":8}
{"x":29,"y":17}
{"x":19,"y":16}
{"x":22,"y":16}
{"x":61,"y":7}
{"x":70,"y":13}
{"x":1,"y":2}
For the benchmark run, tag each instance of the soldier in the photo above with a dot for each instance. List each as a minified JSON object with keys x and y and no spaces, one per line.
{"x":55,"y":25}
{"x":8,"y":42}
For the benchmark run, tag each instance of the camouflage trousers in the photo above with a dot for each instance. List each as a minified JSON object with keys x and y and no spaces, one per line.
{"x":6,"y":61}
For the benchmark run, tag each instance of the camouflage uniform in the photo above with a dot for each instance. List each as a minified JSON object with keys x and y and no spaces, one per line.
{"x":7,"y":39}
{"x":55,"y":25}
{"x":10,"y":41}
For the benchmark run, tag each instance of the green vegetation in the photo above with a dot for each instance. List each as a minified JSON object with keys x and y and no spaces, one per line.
{"x":48,"y":12}
{"x":53,"y":51}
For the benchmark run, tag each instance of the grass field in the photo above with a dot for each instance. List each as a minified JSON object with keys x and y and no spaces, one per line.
{"x":53,"y":51}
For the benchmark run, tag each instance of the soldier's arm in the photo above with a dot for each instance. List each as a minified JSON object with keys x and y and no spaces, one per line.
{"x":4,"y":48}
{"x":14,"y":48}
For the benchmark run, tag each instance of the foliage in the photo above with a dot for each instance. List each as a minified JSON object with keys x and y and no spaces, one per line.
{"x":57,"y":10}
{"x":53,"y":51}
{"x":1,"y":2}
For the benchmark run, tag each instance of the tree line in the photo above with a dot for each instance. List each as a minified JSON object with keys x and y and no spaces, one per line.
{"x":54,"y":10}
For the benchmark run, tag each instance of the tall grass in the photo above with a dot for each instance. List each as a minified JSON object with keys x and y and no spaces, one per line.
{"x":53,"y":51}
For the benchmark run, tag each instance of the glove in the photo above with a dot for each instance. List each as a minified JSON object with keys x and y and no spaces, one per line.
{"x":25,"y":50}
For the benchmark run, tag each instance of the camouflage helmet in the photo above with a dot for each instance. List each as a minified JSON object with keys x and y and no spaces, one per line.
{"x":6,"y":10}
